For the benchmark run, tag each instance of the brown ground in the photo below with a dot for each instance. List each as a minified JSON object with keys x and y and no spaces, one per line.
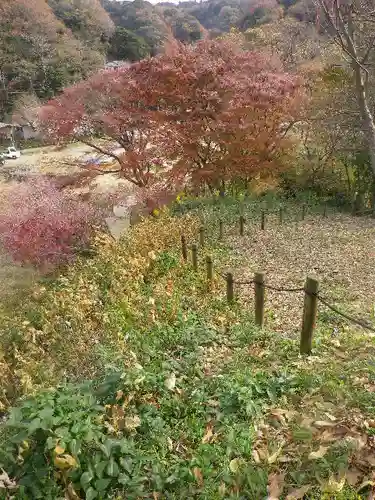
{"x":339,"y":251}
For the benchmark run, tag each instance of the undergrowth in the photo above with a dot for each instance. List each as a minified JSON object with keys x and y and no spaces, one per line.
{"x":186,"y":398}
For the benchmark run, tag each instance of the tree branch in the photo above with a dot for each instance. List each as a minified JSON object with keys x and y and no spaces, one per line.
{"x":101,"y":150}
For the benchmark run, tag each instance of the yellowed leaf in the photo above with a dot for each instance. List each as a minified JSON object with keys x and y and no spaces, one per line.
{"x":198,"y":476}
{"x":222,"y":489}
{"x":298,"y":493}
{"x":208,"y":433}
{"x":235,"y":464}
{"x":275,"y":485}
{"x":170,"y":382}
{"x":170,"y":443}
{"x":59,"y":450}
{"x":65,"y":462}
{"x":272,"y":458}
{"x":132,"y":422}
{"x":335,"y":486}
{"x":256,"y":456}
{"x":315,"y":455}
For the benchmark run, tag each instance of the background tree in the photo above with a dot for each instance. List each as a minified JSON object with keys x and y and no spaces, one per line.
{"x":126,"y":45}
{"x":87,"y":20}
{"x":350,"y":24}
{"x":37,"y":53}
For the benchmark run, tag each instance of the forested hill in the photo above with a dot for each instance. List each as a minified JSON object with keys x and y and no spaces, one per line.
{"x":46,"y":45}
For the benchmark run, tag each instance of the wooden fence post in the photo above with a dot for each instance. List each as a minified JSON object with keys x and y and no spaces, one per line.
{"x":259,"y":299}
{"x":263,"y":222}
{"x":194,"y":255}
{"x":184,"y":248}
{"x":210,"y":271}
{"x":230,"y":291}
{"x":281,"y":216}
{"x":220,"y":229}
{"x":303,"y":211}
{"x":242,"y":222}
{"x":309,"y":315}
{"x":201,"y":236}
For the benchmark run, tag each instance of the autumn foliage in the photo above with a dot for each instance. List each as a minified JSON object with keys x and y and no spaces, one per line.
{"x":42,"y":226}
{"x":200,"y":113}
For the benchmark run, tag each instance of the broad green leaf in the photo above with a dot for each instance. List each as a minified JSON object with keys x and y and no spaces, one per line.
{"x":112,"y":469}
{"x":74,"y":446}
{"x":50,"y":443}
{"x":85,"y":480}
{"x":107,"y":447}
{"x":46,"y":413}
{"x":127,"y":464}
{"x":34,"y":425}
{"x":123,"y":479}
{"x":91,"y":494}
{"x":100,"y":467}
{"x":102,"y":484}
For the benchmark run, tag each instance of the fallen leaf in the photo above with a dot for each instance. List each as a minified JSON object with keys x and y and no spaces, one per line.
{"x":364,"y":484}
{"x":370,"y":459}
{"x":119,"y":395}
{"x":256,"y":456}
{"x":132,"y":422}
{"x":170,"y":443}
{"x":170,"y":382}
{"x":272,"y":458}
{"x":327,"y":436}
{"x":275,"y":485}
{"x":198,"y":476}
{"x":331,"y":417}
{"x":208,"y":433}
{"x":352,"y":476}
{"x":323,"y":423}
{"x":314,"y":455}
{"x":71,"y":493}
{"x":298,"y":493}
{"x":222,"y":489}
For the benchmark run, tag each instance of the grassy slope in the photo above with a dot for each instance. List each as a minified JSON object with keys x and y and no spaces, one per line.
{"x":227,"y":410}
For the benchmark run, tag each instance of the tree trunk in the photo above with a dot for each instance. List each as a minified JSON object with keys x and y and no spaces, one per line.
{"x":367,"y":117}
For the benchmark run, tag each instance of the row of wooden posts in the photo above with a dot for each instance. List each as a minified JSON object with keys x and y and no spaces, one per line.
{"x":310,"y":290}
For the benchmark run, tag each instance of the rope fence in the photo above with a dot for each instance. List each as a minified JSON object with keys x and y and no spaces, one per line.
{"x":310,"y":290}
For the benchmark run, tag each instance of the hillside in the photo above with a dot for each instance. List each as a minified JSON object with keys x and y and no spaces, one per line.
{"x":43,"y":48}
{"x":187,"y":397}
{"x":46,"y":45}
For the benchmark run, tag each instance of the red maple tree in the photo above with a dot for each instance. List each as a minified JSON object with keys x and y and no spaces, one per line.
{"x":198,"y":113}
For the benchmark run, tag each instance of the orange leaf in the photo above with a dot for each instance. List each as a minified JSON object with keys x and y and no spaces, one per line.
{"x":208,"y":433}
{"x":198,"y":476}
{"x":275,"y":485}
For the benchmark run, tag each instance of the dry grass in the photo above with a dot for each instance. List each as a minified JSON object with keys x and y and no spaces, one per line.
{"x":338,"y":251}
